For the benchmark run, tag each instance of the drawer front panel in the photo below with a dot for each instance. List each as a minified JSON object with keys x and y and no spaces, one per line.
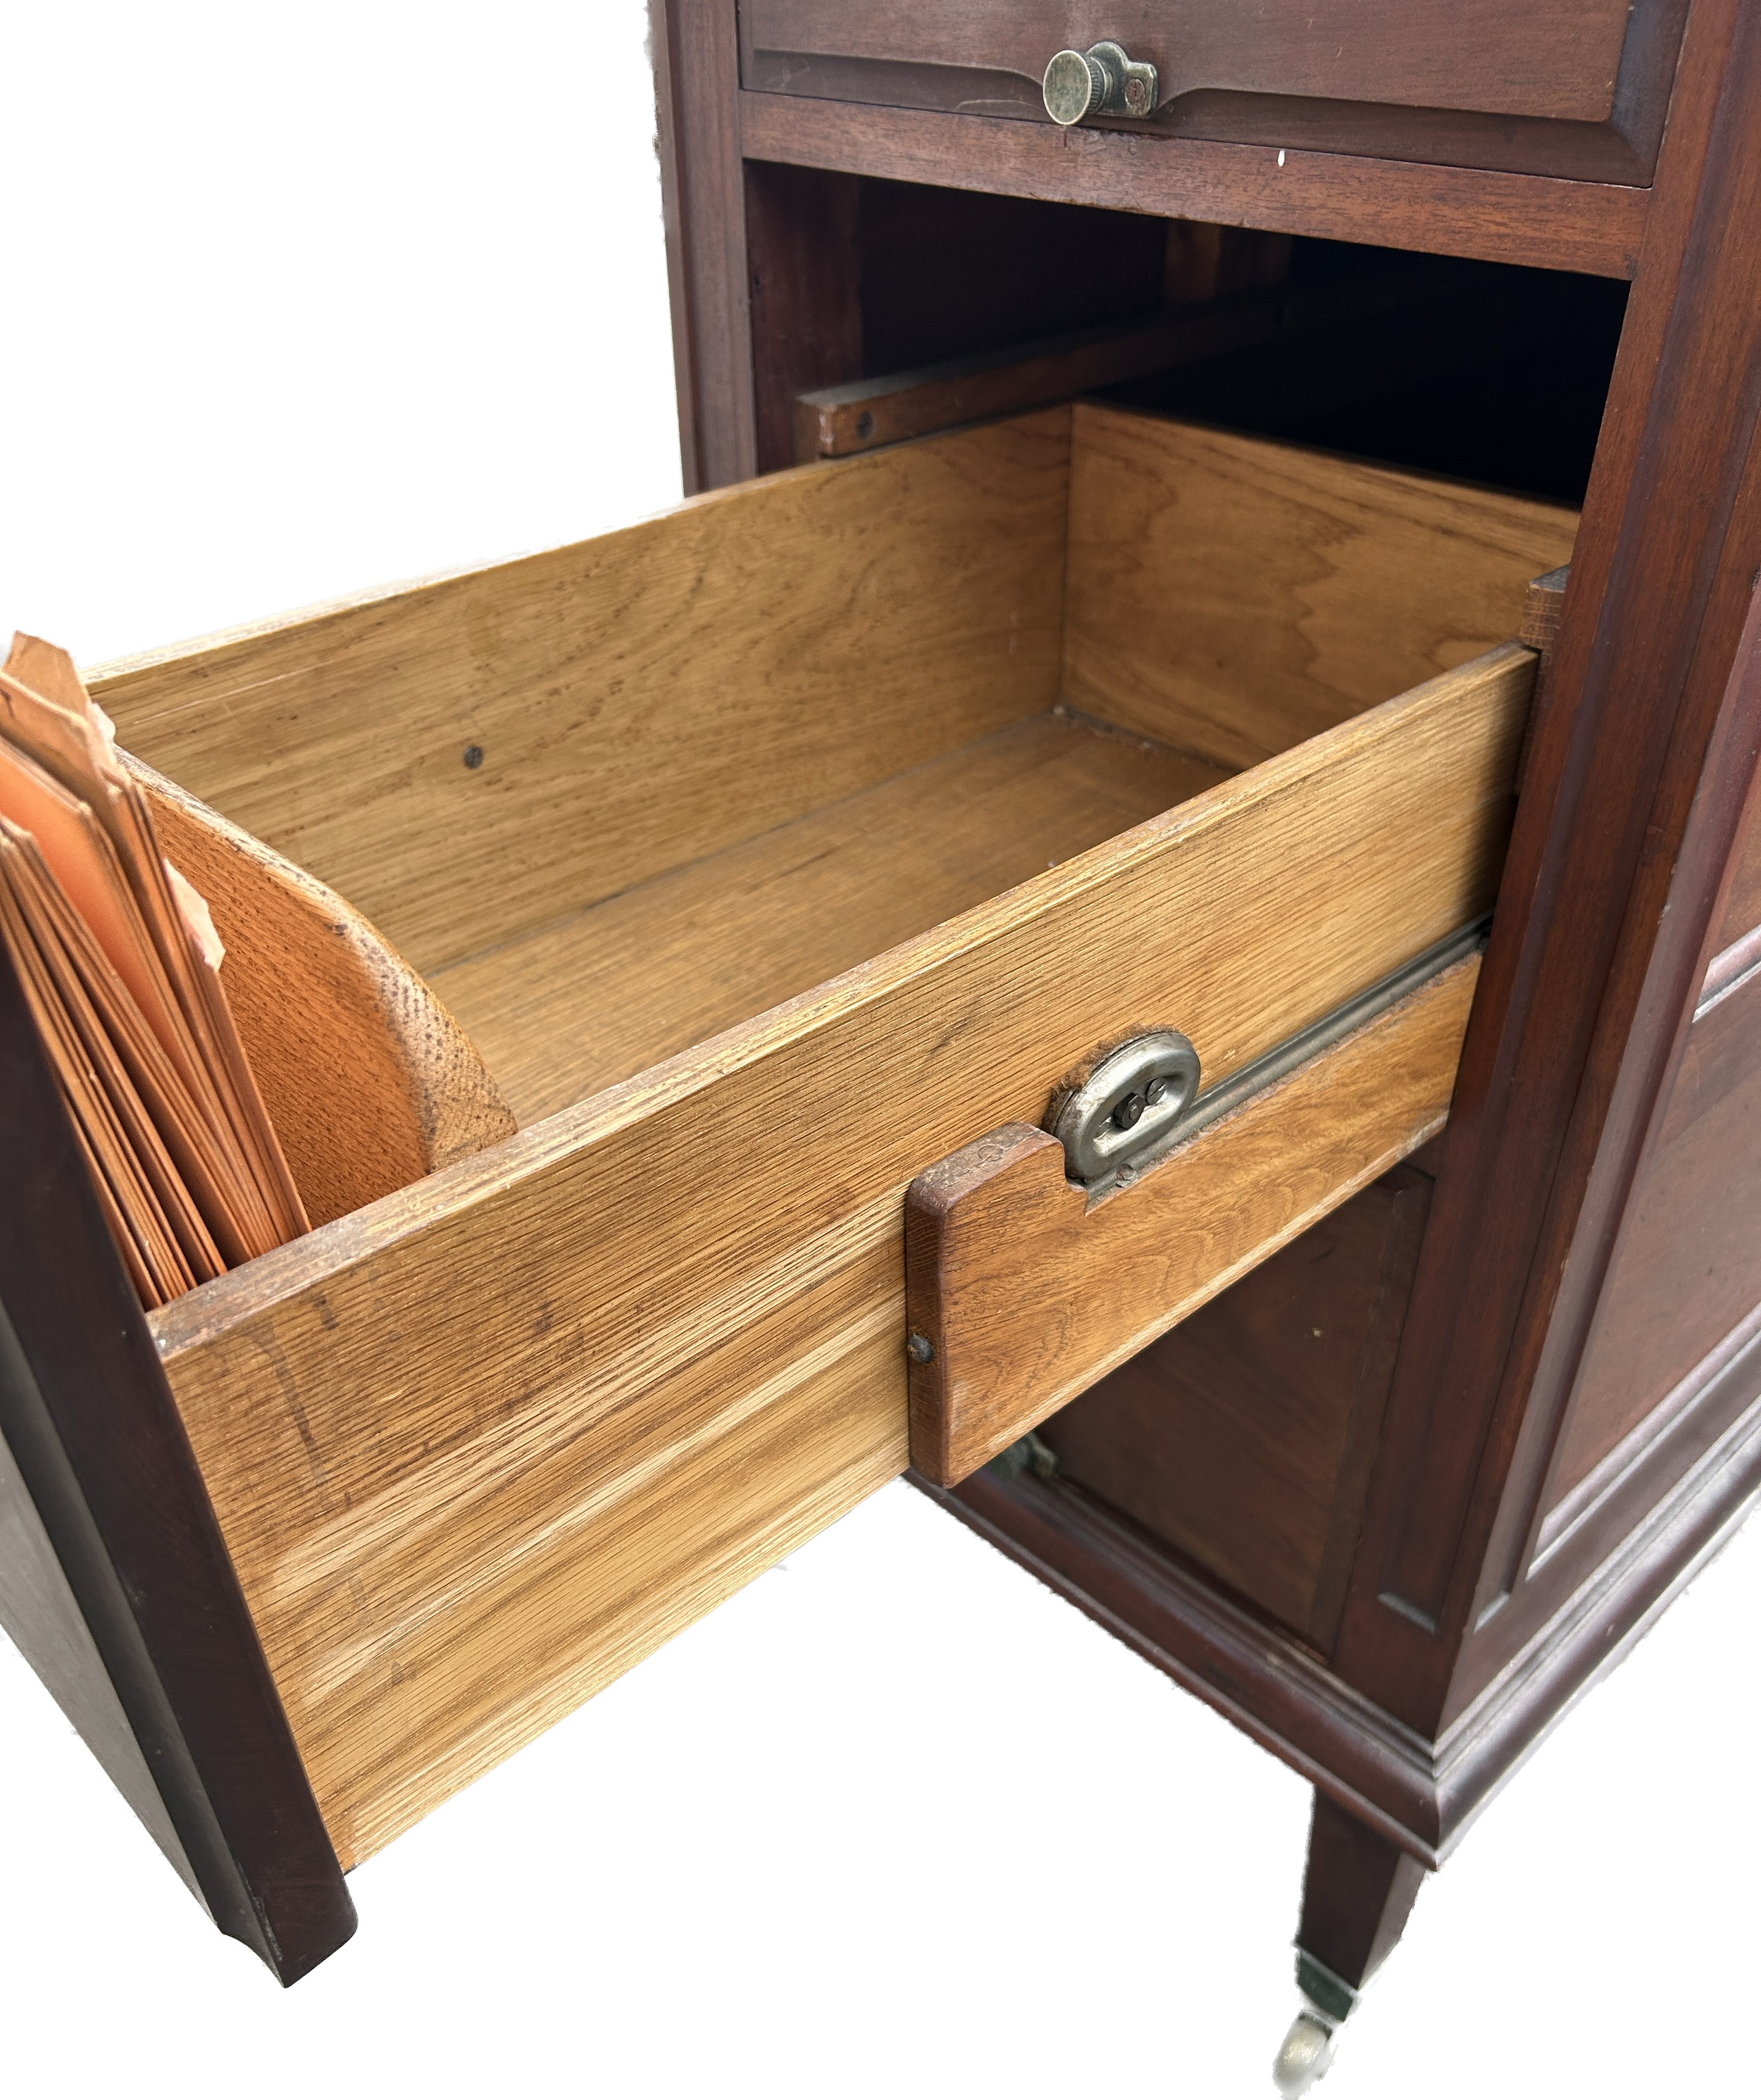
{"x":479,"y":1447}
{"x":1500,"y":57}
{"x":1579,"y":92}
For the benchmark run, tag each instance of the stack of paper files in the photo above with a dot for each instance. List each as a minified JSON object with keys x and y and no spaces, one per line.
{"x":121,"y":967}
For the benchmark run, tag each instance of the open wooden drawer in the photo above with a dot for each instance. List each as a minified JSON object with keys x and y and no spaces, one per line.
{"x":768,"y":852}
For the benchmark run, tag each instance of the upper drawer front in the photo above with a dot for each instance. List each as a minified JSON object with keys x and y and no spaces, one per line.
{"x":1501,"y":56}
{"x":1581,"y":84}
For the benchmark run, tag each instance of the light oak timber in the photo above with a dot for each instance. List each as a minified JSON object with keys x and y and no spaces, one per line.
{"x":681,"y":1301}
{"x":1028,"y":1293}
{"x":648,"y":696}
{"x":572,"y":1008}
{"x":369,"y":1081}
{"x":1229,"y":596}
{"x":1540,"y":221}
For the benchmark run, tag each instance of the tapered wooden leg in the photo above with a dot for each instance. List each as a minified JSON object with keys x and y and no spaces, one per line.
{"x":1356,"y":1895}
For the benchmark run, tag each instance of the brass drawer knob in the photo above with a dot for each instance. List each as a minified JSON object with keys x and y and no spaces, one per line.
{"x":1101,"y":81}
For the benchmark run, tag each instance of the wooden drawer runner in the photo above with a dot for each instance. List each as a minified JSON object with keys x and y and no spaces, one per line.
{"x":769,"y":851}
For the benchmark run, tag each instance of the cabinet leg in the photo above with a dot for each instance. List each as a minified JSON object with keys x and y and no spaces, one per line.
{"x":1357,"y":1893}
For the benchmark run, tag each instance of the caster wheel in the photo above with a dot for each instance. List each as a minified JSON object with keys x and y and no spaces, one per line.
{"x":1307,"y":2050}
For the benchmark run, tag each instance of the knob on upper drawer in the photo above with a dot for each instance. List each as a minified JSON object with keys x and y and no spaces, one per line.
{"x":1101,"y":81}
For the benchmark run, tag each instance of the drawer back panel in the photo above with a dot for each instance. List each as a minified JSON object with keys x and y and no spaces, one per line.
{"x":1231,"y":597}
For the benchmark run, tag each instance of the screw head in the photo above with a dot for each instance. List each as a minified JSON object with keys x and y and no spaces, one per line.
{"x":473,"y":756}
{"x":921,"y":1349}
{"x":865,"y":425}
{"x":1128,"y":1112}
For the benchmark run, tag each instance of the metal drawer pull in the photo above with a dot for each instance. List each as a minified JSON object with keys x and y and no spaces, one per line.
{"x":1130,"y":1104}
{"x":1101,"y":81}
{"x":1127,"y":1104}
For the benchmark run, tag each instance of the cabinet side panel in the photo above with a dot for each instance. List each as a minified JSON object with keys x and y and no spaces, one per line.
{"x":1689,"y":1263}
{"x":39,"y":1610}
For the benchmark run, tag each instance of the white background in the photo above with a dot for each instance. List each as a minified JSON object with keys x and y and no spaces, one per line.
{"x":301,"y":299}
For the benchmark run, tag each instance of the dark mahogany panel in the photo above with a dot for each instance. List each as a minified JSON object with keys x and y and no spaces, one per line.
{"x":1688,"y":1269}
{"x":1577,"y":88}
{"x":1742,"y":897}
{"x":1244,"y":1436}
{"x":1504,"y":56}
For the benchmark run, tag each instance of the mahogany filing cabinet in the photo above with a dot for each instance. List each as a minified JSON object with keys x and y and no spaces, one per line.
{"x":1147,"y":903}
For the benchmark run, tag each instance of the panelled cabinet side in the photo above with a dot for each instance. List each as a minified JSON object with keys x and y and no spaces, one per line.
{"x":1592,"y":949}
{"x":116,"y":1583}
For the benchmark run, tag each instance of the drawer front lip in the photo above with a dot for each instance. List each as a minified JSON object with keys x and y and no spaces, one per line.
{"x":480,"y":1446}
{"x":1022,"y":1289}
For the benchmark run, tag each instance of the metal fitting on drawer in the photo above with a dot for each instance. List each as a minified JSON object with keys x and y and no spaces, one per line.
{"x":1101,"y":81}
{"x":1127,"y":1105}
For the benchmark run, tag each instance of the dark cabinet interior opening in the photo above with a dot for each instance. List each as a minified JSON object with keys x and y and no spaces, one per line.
{"x":1486,"y":371}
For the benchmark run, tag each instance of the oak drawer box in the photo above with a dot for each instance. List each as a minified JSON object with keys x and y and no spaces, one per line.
{"x":768,"y":852}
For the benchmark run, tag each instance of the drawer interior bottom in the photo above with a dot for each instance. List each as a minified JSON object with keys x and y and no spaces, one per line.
{"x":579,"y":1004}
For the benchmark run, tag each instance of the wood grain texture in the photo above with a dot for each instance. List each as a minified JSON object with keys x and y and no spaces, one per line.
{"x":1229,"y":596}
{"x":581,"y":1005}
{"x":646,"y":697}
{"x":1499,"y":56}
{"x":1357,"y":1894}
{"x":1424,"y":1794}
{"x":1539,"y":220}
{"x":1243,"y":1437}
{"x":369,"y":1082}
{"x":695,"y":49}
{"x":804,"y":263}
{"x":1542,"y":610}
{"x":1028,"y":1293}
{"x":1621,"y":149}
{"x":1595,"y":951}
{"x":833,"y":421}
{"x":678,"y":1307}
{"x":1740,"y":911}
{"x":1224,"y":297}
{"x":1688,"y":1266}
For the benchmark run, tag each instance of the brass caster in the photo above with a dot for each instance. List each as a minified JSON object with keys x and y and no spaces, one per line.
{"x":1307,"y":2050}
